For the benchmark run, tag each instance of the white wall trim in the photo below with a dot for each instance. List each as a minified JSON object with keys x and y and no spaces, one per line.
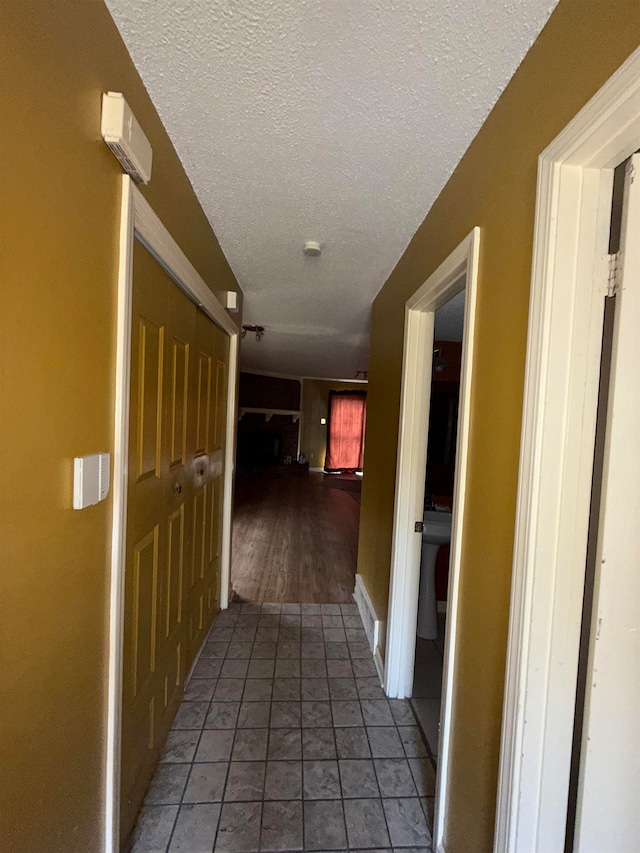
{"x":569,"y":275}
{"x":118,"y":539}
{"x":229,"y":463}
{"x":139,"y":220}
{"x":377,"y":659}
{"x":459,"y":271}
{"x":372,"y":624}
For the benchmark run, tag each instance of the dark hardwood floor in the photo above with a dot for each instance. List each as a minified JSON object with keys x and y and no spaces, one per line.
{"x":294,"y":540}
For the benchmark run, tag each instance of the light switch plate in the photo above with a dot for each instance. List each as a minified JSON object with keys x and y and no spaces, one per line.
{"x":90,"y":479}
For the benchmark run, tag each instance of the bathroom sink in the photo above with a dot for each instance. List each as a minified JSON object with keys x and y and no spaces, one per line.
{"x":436,"y":531}
{"x":437,"y":527}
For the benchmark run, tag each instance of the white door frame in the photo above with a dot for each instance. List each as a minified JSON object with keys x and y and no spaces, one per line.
{"x":569,"y":281}
{"x":609,"y":783}
{"x":459,"y":271}
{"x":138,"y":220}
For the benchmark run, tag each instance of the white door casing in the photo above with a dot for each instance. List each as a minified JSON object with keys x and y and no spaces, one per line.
{"x":458,"y":272}
{"x":138,"y":221}
{"x":569,"y":281}
{"x":609,"y":791}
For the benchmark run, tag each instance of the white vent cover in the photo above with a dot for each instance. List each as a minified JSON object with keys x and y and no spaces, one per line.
{"x":125,"y":137}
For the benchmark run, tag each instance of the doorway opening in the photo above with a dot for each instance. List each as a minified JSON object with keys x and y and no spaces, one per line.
{"x":572,"y":272}
{"x":426,"y":693}
{"x":458,"y":273}
{"x":295,"y":528}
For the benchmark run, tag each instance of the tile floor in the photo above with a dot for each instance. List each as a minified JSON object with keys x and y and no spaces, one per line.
{"x":285,"y":742}
{"x":427,"y":686}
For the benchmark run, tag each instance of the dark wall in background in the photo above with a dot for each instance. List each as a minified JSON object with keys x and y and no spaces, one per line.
{"x":268,"y":392}
{"x":264,"y":443}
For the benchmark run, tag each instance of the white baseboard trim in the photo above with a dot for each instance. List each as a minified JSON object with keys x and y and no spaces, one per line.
{"x":377,"y":659}
{"x":372,"y":625}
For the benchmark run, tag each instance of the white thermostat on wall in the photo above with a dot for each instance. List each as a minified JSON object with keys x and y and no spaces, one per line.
{"x":91,"y":479}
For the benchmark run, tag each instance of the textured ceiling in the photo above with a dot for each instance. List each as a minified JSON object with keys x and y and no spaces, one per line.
{"x":333,"y":120}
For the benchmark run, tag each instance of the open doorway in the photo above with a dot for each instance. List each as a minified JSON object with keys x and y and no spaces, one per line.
{"x":456,"y":274}
{"x":572,"y":274}
{"x":426,"y":693}
{"x":295,"y":527}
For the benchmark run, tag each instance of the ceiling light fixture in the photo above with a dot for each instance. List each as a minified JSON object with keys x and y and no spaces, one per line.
{"x":258,"y":331}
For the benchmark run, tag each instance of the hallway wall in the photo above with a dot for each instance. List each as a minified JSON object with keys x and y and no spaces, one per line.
{"x":59,"y":220}
{"x":493,"y":187}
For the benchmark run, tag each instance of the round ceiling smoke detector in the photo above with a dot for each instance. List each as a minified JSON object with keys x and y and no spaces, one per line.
{"x":312,"y":248}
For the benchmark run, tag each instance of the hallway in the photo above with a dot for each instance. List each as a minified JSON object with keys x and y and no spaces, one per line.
{"x":285,"y":742}
{"x":294,"y":539}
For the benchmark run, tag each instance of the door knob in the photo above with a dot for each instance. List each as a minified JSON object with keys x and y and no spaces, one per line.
{"x":178,"y":488}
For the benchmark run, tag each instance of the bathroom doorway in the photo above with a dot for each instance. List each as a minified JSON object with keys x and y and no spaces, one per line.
{"x":426,"y":693}
{"x":458,"y":273}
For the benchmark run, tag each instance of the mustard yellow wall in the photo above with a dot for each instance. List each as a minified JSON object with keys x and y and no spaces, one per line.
{"x":493,"y":187}
{"x":59,"y":213}
{"x":315,"y":405}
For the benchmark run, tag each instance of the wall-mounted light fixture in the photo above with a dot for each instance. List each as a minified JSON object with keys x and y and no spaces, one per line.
{"x":258,"y":331}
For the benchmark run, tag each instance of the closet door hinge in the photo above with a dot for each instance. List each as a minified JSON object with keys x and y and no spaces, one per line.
{"x":613,"y":279}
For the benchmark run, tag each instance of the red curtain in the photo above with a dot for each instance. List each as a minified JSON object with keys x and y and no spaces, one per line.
{"x":347,"y":421}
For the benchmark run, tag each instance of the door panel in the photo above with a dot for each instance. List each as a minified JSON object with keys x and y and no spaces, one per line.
{"x":145,"y":541}
{"x":144,"y":590}
{"x":179,"y":385}
{"x":149,"y":393}
{"x":201,"y":445}
{"x":171,"y":603}
{"x":203,"y":403}
{"x":181,"y":314}
{"x":221,"y":392}
{"x":609,"y":783}
{"x":174,"y":513}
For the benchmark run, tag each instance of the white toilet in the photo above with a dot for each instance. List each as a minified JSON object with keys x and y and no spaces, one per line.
{"x":436,"y":532}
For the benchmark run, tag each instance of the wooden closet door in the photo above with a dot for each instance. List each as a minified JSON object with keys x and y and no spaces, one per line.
{"x":207,"y":401}
{"x":146,"y":544}
{"x":177,"y":419}
{"x":180,"y":339}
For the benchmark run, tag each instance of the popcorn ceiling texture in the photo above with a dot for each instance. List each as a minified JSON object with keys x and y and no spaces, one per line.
{"x":333,"y":120}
